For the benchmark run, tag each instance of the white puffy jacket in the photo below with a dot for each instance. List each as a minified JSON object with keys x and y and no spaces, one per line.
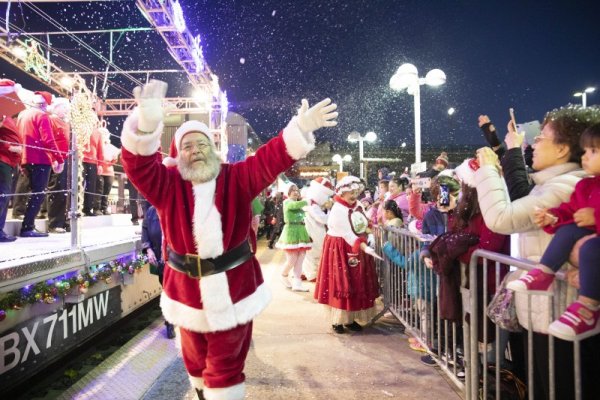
{"x":553,"y":186}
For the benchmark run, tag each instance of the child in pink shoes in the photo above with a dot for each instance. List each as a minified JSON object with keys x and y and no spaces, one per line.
{"x":572,"y":221}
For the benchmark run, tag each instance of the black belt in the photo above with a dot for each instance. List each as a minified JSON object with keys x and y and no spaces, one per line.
{"x":195,"y":267}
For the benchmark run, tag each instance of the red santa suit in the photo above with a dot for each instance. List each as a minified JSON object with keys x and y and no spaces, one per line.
{"x":347,"y":280}
{"x":215,"y":312}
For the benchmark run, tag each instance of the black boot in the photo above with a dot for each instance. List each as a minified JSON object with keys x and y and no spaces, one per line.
{"x":338,"y":328}
{"x":170,"y":330}
{"x":200,"y":394}
{"x":354,"y":327}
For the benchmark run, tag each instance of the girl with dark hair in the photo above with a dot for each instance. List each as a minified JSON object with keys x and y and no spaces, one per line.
{"x":392,"y":214}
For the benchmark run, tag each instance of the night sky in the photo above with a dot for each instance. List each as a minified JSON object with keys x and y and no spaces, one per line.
{"x":270,"y":54}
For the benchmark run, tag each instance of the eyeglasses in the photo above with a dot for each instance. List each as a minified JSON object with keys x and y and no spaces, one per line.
{"x":200,"y":145}
{"x":539,"y":138}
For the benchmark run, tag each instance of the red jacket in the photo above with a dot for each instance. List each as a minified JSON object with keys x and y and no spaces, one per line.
{"x":62,"y":134}
{"x":36,"y":129}
{"x":93,"y":153}
{"x":9,"y":133}
{"x":211,"y":217}
{"x":586,"y":194}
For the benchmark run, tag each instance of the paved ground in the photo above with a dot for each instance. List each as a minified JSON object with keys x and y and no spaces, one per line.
{"x":294,"y":355}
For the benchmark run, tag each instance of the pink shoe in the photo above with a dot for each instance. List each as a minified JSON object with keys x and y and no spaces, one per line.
{"x":577,"y":322}
{"x":535,"y":280}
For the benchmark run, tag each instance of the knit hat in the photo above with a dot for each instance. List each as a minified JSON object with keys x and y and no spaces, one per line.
{"x":42,"y":97}
{"x":320,"y":190}
{"x":442,"y":159}
{"x":466,"y":171}
{"x":347,"y":184}
{"x":192,"y":126}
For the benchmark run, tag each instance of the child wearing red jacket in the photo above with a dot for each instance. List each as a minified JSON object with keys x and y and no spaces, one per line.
{"x":571,"y":221}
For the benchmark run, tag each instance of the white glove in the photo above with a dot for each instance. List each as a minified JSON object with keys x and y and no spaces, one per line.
{"x":318,"y":116}
{"x":15,"y":149}
{"x":371,"y":240}
{"x":57,"y":168}
{"x":149,"y":100}
{"x":370,"y":251}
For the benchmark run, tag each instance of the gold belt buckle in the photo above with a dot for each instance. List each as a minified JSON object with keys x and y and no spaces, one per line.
{"x":197,"y":261}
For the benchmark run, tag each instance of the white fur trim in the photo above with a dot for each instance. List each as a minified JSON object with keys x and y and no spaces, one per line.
{"x":285,"y":246}
{"x":235,"y":392}
{"x":297,"y":143}
{"x":196,"y":382}
{"x":169,"y":162}
{"x":196,"y":320}
{"x":208,"y":232}
{"x":143,"y":145}
{"x":218,"y":306}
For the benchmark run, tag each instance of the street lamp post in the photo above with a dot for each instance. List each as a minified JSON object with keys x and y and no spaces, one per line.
{"x":407,"y":77}
{"x":340,"y":160}
{"x":583,"y":95}
{"x":355,"y":137}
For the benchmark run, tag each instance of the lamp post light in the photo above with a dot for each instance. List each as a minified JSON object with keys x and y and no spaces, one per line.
{"x":340,"y":160}
{"x":369,"y":137}
{"x":583,"y":95}
{"x":407,"y":77}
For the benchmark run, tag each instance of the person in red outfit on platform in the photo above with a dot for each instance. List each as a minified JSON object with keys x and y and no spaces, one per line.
{"x":213,"y":286}
{"x":57,"y":202}
{"x":41,"y":155}
{"x":10,"y":157}
{"x":347,"y":281}
{"x":93,"y":155}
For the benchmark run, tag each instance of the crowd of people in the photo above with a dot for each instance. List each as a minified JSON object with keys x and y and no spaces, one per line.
{"x":541,"y":186}
{"x":35,"y":167}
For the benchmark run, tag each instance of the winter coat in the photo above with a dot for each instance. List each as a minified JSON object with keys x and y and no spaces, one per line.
{"x":209,"y":219}
{"x":437,"y":222}
{"x":93,"y":152}
{"x":62,"y":134}
{"x":110,"y":154}
{"x":445,"y":251}
{"x":515,"y":174}
{"x":418,"y":284}
{"x":9,"y":133}
{"x":586,"y":194}
{"x":152,"y":236}
{"x":36,"y":130}
{"x":553,"y":186}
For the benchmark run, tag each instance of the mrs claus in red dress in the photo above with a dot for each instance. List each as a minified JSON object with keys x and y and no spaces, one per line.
{"x":347,"y":281}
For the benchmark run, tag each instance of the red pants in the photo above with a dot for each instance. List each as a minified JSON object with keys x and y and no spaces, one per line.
{"x":217,"y":357}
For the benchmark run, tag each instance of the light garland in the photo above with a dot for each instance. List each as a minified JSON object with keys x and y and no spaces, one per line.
{"x":83,"y":123}
{"x":35,"y":60}
{"x":197,"y":54}
{"x":178,"y":19}
{"x":51,"y":290}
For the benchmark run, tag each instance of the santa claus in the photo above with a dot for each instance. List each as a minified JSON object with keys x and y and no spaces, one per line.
{"x":213,"y":286}
{"x":318,"y":195}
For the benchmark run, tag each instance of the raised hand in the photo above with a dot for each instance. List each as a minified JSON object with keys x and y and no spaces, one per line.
{"x":320,"y":115}
{"x":513,"y":139}
{"x":149,"y":100}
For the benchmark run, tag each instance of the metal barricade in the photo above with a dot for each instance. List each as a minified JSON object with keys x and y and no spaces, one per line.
{"x":410,"y":293}
{"x":481,"y":384}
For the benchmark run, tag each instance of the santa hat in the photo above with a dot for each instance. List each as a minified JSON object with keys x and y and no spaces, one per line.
{"x":415,"y":226}
{"x":347,"y":184}
{"x":466,"y":171}
{"x":192,"y":126}
{"x":442,"y":159}
{"x":7,"y":86}
{"x":42,"y":97}
{"x":320,"y":190}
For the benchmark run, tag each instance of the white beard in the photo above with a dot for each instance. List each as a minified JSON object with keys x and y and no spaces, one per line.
{"x":203,"y":172}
